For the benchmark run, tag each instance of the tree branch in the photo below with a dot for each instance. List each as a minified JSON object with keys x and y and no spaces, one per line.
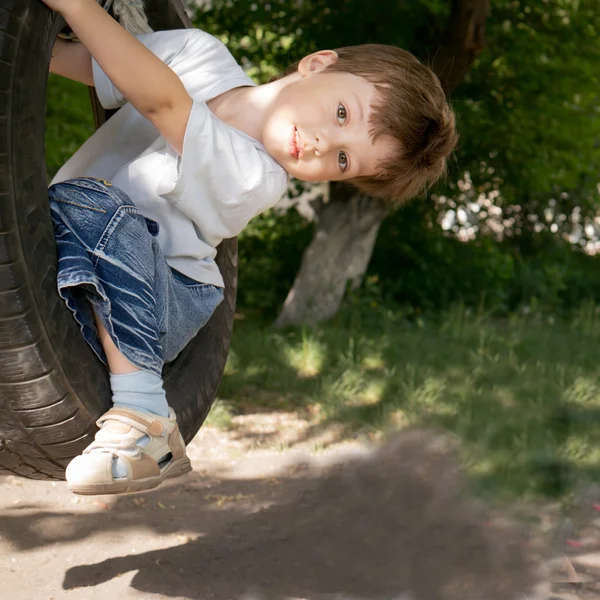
{"x":462,"y":41}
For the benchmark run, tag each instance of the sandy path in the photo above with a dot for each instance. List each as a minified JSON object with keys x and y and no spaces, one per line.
{"x":253,"y":522}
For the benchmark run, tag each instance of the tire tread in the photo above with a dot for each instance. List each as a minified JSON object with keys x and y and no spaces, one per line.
{"x":52,"y":386}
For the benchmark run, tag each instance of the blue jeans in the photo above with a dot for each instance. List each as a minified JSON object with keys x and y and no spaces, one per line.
{"x":109,"y":259}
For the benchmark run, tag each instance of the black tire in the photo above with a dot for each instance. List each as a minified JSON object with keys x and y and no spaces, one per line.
{"x":52,"y":387}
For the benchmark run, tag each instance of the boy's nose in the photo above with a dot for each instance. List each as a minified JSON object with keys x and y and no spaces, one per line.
{"x":322,"y":142}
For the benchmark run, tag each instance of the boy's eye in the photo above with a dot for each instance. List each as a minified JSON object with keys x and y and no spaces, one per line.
{"x":342,"y":115}
{"x":343,"y":161}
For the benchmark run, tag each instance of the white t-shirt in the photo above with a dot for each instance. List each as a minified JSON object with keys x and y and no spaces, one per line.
{"x":222,"y":180}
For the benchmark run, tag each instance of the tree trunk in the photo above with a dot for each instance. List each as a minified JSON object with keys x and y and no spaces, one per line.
{"x":341,"y":248}
{"x":462,"y":41}
{"x":338,"y":254}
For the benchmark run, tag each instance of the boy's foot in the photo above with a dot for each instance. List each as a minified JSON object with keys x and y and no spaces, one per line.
{"x":150,"y":447}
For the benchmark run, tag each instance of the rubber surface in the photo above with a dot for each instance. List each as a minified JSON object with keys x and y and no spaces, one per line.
{"x":52,"y":387}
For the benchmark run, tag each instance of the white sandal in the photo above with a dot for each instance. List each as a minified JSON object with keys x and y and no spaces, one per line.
{"x":120,"y":431}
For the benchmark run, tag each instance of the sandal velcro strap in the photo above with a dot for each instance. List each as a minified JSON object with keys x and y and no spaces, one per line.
{"x":139,"y":421}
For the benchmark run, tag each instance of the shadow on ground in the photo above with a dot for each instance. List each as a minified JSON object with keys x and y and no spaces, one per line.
{"x":377,"y":525}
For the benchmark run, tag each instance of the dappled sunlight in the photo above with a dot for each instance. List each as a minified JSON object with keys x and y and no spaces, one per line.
{"x":374,"y":362}
{"x":504,"y":396}
{"x":470,"y":211}
{"x":373,"y":392}
{"x":427,"y":397}
{"x":344,"y":387}
{"x":521,"y":396}
{"x":586,"y":454}
{"x":583,"y":391}
{"x":398,"y":419}
{"x":307,"y":358}
{"x":353,"y":391}
{"x":253,"y":370}
{"x":246,"y":527}
{"x":483,"y":468}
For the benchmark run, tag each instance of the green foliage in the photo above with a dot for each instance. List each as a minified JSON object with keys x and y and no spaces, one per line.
{"x":69,"y":121}
{"x":432,"y":270}
{"x":267,"y":37}
{"x":529,"y":108}
{"x":270,"y":249}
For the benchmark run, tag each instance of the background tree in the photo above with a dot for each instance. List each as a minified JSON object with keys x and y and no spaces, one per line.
{"x":527,"y":113}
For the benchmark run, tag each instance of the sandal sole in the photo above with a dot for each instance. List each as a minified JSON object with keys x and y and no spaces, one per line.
{"x":175,"y":469}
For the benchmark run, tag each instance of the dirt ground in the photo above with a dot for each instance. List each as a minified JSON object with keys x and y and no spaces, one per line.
{"x":264,"y":516}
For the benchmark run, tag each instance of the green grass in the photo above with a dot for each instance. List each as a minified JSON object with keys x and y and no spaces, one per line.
{"x":522,"y":395}
{"x":69,"y":120}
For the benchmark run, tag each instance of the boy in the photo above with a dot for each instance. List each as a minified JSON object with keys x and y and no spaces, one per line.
{"x":196,"y":151}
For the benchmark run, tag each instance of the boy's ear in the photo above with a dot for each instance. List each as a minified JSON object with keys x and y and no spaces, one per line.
{"x":317,"y":62}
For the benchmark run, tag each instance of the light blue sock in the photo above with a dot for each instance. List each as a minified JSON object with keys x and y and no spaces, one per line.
{"x":141,"y":390}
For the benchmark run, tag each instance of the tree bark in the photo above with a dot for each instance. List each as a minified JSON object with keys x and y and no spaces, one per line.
{"x":338,"y":255}
{"x":341,"y":248}
{"x":462,"y":41}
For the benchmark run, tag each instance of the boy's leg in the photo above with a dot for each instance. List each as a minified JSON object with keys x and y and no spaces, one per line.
{"x":117,"y":361}
{"x":112,"y":276}
{"x":131,"y":387}
{"x":124,"y":376}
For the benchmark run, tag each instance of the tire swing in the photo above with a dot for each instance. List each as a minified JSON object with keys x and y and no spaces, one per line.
{"x":52,"y":386}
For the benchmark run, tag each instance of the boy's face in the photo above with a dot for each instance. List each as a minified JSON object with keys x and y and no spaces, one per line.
{"x":317,"y":128}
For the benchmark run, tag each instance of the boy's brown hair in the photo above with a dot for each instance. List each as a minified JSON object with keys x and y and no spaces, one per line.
{"x":412,"y":108}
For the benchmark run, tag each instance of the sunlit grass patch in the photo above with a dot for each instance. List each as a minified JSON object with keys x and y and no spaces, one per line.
{"x":522,"y":396}
{"x":584,"y":391}
{"x":307,"y":357}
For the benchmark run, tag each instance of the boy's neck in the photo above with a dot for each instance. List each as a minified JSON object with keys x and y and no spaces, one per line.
{"x":244,"y":107}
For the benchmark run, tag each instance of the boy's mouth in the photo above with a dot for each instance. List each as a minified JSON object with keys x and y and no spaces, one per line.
{"x":295,"y":144}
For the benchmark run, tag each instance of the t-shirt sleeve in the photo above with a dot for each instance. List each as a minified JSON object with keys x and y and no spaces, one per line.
{"x":222,"y":179}
{"x":172,"y":47}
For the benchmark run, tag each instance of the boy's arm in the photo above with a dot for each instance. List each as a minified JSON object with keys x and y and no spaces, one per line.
{"x":147,"y":83}
{"x":72,"y":60}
